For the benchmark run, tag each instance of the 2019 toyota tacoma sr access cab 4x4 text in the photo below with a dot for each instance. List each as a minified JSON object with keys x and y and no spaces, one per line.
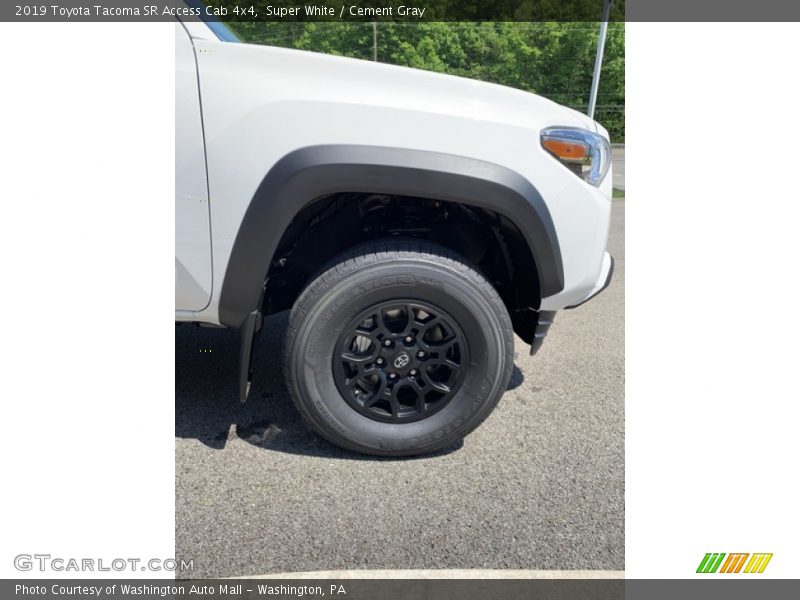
{"x":411,"y":222}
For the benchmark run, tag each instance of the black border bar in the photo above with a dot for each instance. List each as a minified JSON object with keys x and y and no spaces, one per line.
{"x":399,"y":10}
{"x":715,"y":586}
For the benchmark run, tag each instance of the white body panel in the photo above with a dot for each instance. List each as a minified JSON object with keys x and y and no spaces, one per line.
{"x":193,"y":275}
{"x":261,"y":103}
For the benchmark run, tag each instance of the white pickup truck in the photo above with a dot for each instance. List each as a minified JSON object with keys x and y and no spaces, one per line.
{"x":410,"y":221}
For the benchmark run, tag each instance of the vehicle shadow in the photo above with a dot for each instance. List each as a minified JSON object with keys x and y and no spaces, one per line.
{"x":517,"y":379}
{"x":207,"y":406}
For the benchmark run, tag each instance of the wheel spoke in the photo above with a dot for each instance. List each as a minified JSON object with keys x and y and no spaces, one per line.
{"x":372,"y":400}
{"x":390,"y":394}
{"x":431,"y":323}
{"x":440,"y":387}
{"x":409,"y":320}
{"x":420,"y":404}
{"x":437,"y":385}
{"x":382,"y":327}
{"x":378,"y":393}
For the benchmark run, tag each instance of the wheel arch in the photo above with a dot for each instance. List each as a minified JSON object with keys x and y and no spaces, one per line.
{"x":306,"y":174}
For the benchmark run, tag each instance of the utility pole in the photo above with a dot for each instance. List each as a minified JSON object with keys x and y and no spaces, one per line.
{"x":598,"y":61}
{"x":375,"y":41}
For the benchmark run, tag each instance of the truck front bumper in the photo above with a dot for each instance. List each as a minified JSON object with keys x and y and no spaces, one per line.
{"x":603,"y":281}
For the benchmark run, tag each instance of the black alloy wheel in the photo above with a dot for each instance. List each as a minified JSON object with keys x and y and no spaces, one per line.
{"x":400,"y":361}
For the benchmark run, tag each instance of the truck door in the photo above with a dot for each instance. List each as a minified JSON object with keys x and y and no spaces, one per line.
{"x":193,"y":274}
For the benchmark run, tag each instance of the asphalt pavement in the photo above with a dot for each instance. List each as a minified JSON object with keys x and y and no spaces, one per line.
{"x":540,"y":485}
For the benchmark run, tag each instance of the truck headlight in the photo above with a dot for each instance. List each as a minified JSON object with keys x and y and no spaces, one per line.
{"x":583,"y":152}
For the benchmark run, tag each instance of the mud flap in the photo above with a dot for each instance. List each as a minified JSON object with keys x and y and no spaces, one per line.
{"x":543,"y":323}
{"x":250,"y":329}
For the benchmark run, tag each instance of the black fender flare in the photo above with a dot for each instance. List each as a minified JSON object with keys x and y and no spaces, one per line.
{"x":309,"y":173}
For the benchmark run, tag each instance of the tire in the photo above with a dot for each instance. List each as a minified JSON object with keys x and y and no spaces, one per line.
{"x":357,"y":379}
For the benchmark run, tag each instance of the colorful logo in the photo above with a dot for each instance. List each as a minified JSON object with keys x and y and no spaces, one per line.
{"x":734,"y":562}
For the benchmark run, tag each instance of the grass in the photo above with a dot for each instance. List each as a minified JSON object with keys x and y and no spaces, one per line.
{"x":618,"y":193}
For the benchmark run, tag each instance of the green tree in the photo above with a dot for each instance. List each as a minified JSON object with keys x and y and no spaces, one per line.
{"x":555,"y":60}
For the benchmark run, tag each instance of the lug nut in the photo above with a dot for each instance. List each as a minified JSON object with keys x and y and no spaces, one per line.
{"x":412,"y":372}
{"x":392,"y":375}
{"x":420,"y":354}
{"x":387,"y":343}
{"x":409,"y":339}
{"x":379,"y":361}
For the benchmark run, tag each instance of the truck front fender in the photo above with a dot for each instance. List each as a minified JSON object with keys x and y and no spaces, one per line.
{"x":307,"y":174}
